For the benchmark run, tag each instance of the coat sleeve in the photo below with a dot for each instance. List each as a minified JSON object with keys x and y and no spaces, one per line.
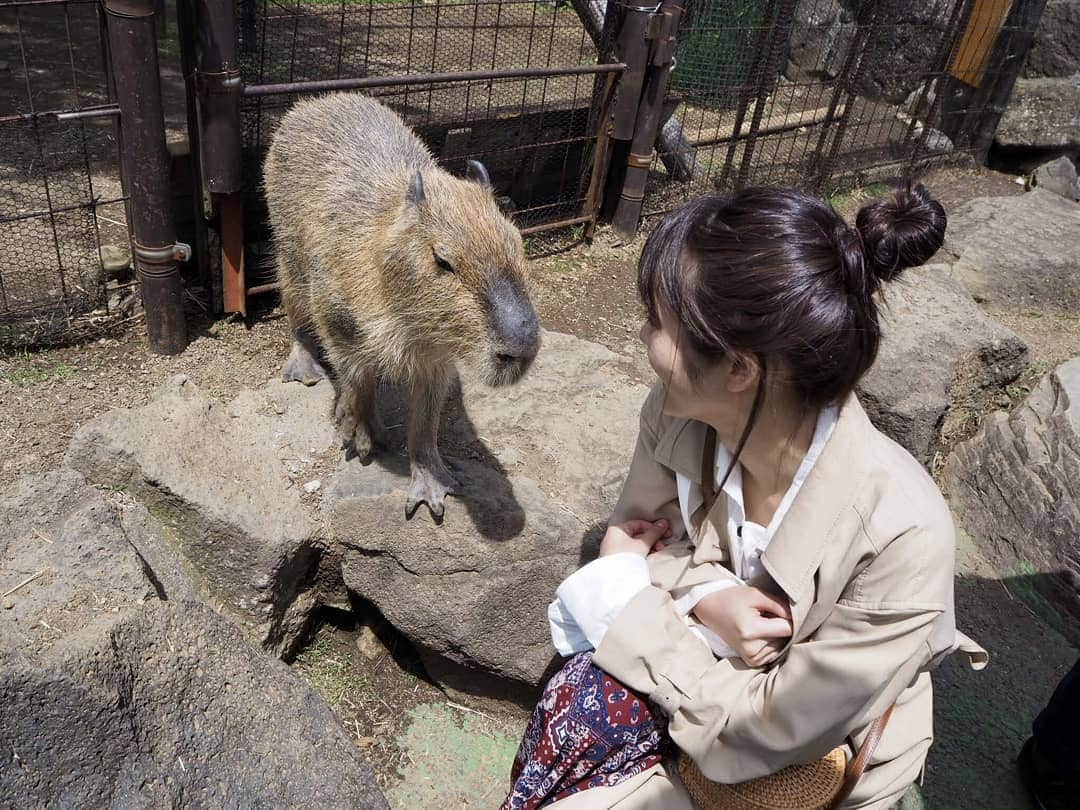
{"x":739,"y":723}
{"x":650,"y":492}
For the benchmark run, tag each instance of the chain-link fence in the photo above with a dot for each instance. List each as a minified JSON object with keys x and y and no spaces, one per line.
{"x":60,"y":192}
{"x":826,"y":94}
{"x":534,"y":130}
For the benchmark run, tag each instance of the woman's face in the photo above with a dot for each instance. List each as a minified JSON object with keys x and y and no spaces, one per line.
{"x":684,"y":397}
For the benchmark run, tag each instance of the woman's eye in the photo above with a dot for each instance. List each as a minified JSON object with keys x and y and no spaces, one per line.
{"x":443,"y":264}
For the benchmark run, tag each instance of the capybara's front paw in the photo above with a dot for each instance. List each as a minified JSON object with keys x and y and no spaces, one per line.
{"x":430,"y":485}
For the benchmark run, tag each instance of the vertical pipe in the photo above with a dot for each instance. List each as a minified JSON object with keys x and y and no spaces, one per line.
{"x":647,"y":122}
{"x":145,"y":162}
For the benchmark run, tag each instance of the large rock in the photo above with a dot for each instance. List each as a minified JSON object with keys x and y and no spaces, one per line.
{"x":1016,"y":486}
{"x":227,"y":481}
{"x":821,"y":34}
{"x":1058,"y":177}
{"x":1019,"y":252}
{"x":541,"y":464}
{"x":1043,"y":115}
{"x":1056,"y":49}
{"x":118,"y":691}
{"x":902,"y":46}
{"x":932,"y":328}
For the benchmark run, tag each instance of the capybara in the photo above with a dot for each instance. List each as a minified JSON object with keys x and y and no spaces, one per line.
{"x":395,"y":269}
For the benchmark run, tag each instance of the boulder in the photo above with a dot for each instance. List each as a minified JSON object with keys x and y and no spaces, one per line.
{"x":120,"y":691}
{"x":1018,"y":252}
{"x":541,"y":464}
{"x":1016,"y":487}
{"x":904,"y":42}
{"x":226,"y":481}
{"x":1042,"y":115}
{"x":821,"y":34}
{"x":1056,"y":49}
{"x":1058,"y":177}
{"x":931,"y":327}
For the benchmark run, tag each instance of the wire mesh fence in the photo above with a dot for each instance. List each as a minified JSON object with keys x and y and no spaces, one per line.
{"x":822,"y":94}
{"x":60,"y":192}
{"x":535,"y":134}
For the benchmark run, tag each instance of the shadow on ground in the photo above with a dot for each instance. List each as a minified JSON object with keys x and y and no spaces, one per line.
{"x":982,"y":718}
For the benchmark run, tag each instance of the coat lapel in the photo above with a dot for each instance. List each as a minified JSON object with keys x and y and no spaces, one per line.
{"x":796,"y":550}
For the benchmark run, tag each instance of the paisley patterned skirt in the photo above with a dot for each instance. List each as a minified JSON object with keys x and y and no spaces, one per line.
{"x":588,"y":730}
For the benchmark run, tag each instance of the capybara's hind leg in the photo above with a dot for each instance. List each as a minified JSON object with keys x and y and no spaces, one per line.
{"x":302,"y":364}
{"x":431,"y":480}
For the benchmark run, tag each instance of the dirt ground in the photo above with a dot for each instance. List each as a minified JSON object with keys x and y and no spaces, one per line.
{"x":370,"y":676}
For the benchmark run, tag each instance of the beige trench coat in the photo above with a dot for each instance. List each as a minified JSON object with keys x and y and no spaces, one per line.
{"x":865,"y":556}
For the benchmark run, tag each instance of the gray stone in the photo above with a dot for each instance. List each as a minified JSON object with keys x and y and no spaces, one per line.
{"x":118,"y":691}
{"x":1016,"y":486}
{"x":904,"y":43}
{"x":821,"y":34}
{"x":931,"y":327}
{"x":1056,"y":49}
{"x":1018,"y":252}
{"x":1058,"y":177}
{"x":116,"y":261}
{"x":220,"y":479}
{"x":472,"y":593}
{"x":1042,"y":115}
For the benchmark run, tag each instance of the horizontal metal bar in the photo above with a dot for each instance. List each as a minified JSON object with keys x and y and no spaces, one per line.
{"x":430,"y":78}
{"x":550,"y":226}
{"x":67,"y":209}
{"x":24,"y":3}
{"x":64,"y":115}
{"x":259,"y":289}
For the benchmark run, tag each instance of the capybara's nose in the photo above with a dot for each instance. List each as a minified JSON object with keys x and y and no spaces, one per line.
{"x":513,"y":320}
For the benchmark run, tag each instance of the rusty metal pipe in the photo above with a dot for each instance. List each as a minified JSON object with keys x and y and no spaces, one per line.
{"x":427,"y":78}
{"x":218,"y":86}
{"x":145,"y":163}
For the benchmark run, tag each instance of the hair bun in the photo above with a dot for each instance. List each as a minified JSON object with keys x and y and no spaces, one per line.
{"x":901,"y":232}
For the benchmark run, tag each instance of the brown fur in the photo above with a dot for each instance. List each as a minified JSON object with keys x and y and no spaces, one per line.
{"x":358,"y":271}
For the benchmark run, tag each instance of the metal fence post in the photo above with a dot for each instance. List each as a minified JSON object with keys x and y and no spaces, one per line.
{"x":660,"y":27}
{"x":145,"y":162}
{"x":219,"y":89}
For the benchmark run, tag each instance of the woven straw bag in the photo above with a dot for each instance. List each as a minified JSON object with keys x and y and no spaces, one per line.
{"x":797,"y":787}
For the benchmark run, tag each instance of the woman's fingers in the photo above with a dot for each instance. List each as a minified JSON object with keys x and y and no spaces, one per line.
{"x":769,"y":627}
{"x":767,"y":603}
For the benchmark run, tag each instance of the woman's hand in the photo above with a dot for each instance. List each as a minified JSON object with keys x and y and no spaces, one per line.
{"x":635,"y":536}
{"x":754,"y":622}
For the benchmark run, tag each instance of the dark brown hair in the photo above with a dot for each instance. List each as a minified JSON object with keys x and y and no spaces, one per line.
{"x":778,"y":275}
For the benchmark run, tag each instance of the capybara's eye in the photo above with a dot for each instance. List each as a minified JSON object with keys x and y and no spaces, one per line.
{"x":443,"y":264}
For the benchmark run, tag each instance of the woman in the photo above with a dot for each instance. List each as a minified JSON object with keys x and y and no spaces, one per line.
{"x":777,"y":573}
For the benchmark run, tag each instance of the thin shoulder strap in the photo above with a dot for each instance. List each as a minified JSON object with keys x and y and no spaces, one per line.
{"x":708,"y":471}
{"x":862,"y":759}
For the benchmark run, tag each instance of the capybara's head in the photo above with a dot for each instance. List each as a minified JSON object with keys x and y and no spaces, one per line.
{"x":462,"y":270}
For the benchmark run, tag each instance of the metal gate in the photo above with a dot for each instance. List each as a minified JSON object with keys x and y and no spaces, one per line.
{"x":60,"y":190}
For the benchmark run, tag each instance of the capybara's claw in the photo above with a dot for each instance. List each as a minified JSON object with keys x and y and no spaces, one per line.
{"x":302,"y":366}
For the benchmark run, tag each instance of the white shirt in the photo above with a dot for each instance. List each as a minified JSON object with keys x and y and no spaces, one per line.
{"x":587,"y":601}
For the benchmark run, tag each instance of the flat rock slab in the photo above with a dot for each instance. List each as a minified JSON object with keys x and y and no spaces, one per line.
{"x":227,"y":483}
{"x":1016,"y":485}
{"x":1042,"y":114}
{"x":541,"y":464}
{"x":1019,"y":252}
{"x":930,"y":327}
{"x":121,"y":692}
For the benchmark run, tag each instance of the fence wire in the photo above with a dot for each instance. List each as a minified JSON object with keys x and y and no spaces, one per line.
{"x":535,"y":135}
{"x":823,"y":95}
{"x":60,"y":189}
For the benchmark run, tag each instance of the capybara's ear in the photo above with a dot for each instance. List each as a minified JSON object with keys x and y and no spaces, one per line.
{"x":415,"y":195}
{"x":475,"y":171}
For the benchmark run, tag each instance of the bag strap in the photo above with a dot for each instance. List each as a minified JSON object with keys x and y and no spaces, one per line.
{"x":855,"y":769}
{"x":862,"y":759}
{"x":708,"y":472}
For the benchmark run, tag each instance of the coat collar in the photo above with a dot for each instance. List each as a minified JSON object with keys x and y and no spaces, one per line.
{"x":796,"y":550}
